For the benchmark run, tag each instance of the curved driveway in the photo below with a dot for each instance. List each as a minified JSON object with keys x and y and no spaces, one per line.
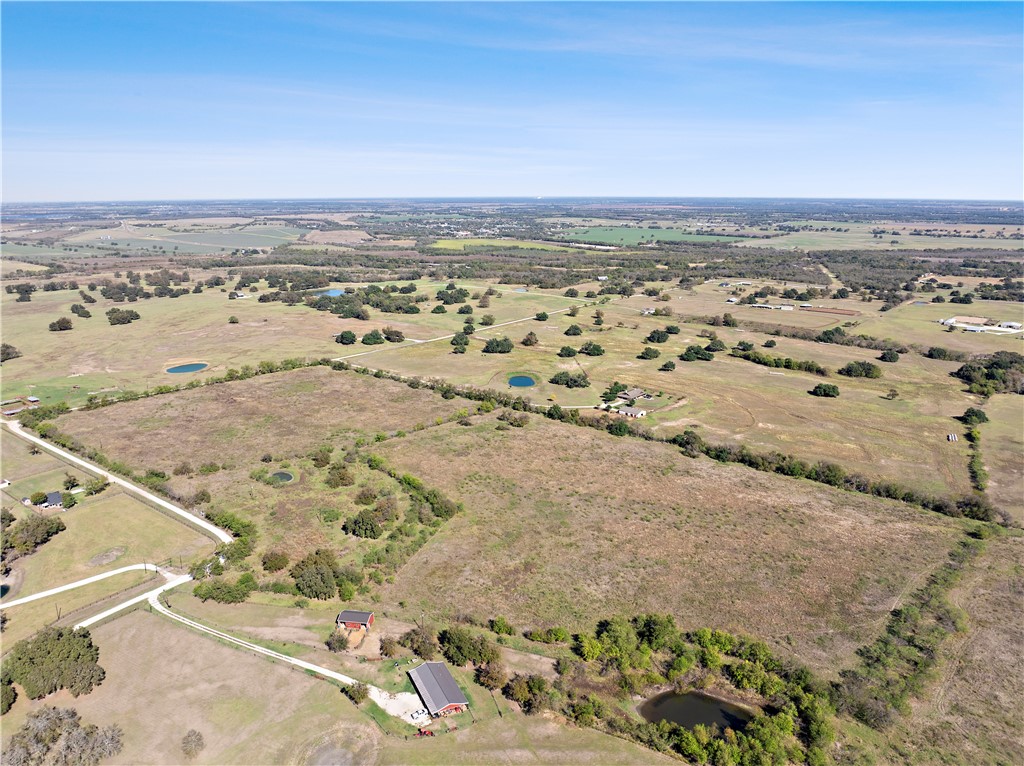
{"x":78,"y":584}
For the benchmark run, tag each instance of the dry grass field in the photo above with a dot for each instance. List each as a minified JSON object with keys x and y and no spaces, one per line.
{"x":732,"y":400}
{"x":970,"y":713}
{"x":567,"y":525}
{"x":1002,"y":449}
{"x":285,"y":414}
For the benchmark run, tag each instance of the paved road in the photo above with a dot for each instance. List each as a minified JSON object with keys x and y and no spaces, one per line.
{"x":401,"y":705}
{"x":215,"y":531}
{"x":79,"y":584}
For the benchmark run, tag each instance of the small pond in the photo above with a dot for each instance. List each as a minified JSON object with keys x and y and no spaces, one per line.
{"x":521,"y":381}
{"x":693,"y":708}
{"x":334,"y":292}
{"x":282,"y":476}
{"x":194,"y":367}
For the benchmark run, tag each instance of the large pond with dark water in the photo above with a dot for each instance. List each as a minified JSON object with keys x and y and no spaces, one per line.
{"x":193,"y":367}
{"x":693,"y":708}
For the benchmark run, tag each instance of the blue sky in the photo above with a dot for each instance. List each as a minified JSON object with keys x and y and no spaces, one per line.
{"x":125,"y":101}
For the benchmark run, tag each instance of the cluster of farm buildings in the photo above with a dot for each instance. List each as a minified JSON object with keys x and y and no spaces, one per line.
{"x":433,"y":681}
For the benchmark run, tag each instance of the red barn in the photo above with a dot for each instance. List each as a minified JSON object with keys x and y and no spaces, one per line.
{"x":354,"y":620}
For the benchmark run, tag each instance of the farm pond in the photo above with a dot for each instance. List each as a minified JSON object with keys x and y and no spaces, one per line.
{"x":194,"y":367}
{"x":521,"y":381}
{"x":692,"y":708}
{"x":282,"y":476}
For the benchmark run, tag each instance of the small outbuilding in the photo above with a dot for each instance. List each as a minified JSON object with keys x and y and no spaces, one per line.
{"x":354,"y":620}
{"x":438,"y":690}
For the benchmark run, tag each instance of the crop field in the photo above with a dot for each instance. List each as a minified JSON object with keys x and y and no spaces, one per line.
{"x":632,"y":236}
{"x":209,"y":241}
{"x":566,"y":525}
{"x":1002,"y":449}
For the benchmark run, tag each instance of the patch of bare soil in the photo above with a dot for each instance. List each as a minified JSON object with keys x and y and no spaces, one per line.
{"x":107,"y":557}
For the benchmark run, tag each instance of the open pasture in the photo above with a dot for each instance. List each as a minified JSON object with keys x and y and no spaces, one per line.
{"x":1002,"y":450}
{"x":731,"y":400}
{"x":632,"y":236}
{"x":860,"y":237}
{"x":567,"y":525}
{"x":914,"y":323}
{"x":285,"y":414}
{"x":504,"y":244}
{"x":95,"y":356}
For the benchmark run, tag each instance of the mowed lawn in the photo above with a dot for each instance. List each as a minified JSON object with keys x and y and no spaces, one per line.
{"x":252,"y":710}
{"x":567,"y":525}
{"x":107,"y":532}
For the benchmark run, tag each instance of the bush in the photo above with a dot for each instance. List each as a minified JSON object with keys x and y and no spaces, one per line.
{"x":498,"y":346}
{"x":827,"y":390}
{"x":363,"y":524}
{"x":358,"y":692}
{"x":542,"y":316}
{"x":591,"y":349}
{"x":420,"y":641}
{"x":570,"y":380}
{"x":973,"y":416}
{"x":668,"y":366}
{"x":889,"y":356}
{"x":337,"y":641}
{"x":274,"y":561}
{"x":345,"y":338}
{"x":567,"y":352}
{"x":861,"y":370}
{"x":501,"y":626}
{"x":60,"y":325}
{"x":373,"y":338}
{"x":192,"y":744}
{"x":574,"y":329}
{"x":649,"y":353}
